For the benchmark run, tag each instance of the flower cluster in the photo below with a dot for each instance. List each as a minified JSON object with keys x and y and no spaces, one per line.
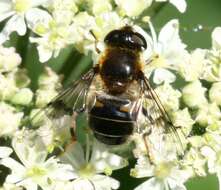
{"x":57,"y":23}
{"x":188,"y":85}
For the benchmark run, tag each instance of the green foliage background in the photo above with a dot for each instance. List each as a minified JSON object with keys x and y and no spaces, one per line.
{"x":72,"y":64}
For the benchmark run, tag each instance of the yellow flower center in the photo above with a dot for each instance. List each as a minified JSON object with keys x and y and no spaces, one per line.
{"x":163,"y":170}
{"x":36,"y":171}
{"x":40,"y":29}
{"x":86,"y":171}
{"x":158,"y":61}
{"x":22,"y":5}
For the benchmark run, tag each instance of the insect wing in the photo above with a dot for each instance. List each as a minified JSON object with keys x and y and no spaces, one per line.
{"x":157,"y":116}
{"x":70,"y":100}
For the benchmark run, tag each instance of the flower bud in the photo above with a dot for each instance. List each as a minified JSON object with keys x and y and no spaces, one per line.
{"x":216,"y":39}
{"x":215,"y":93}
{"x":9,"y":119}
{"x":49,"y":79}
{"x":132,"y":8}
{"x":182,"y":118}
{"x":7,"y":87}
{"x":169,"y":96}
{"x":21,"y":78}
{"x":194,"y":94}
{"x":208,"y":114}
{"x":43,"y":97}
{"x":22,"y":97}
{"x":9,"y":60}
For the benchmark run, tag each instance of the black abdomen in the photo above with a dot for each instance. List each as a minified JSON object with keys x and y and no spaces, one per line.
{"x":111,"y":121}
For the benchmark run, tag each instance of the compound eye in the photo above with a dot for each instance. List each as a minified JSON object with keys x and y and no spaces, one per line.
{"x":138,"y":40}
{"x":113,"y":37}
{"x":126,"y":38}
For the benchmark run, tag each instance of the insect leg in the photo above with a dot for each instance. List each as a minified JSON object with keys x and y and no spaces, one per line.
{"x":148,"y":146}
{"x":96,"y":41}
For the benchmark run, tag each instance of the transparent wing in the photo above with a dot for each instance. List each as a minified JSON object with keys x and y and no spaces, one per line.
{"x":156,"y":115}
{"x":70,"y":100}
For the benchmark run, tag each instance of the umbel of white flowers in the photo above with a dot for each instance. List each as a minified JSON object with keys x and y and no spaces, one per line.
{"x":194,"y":106}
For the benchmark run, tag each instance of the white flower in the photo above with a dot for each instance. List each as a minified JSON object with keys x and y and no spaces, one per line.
{"x":212,"y":70}
{"x":57,"y":34}
{"x":62,"y":9}
{"x":35,"y":170}
{"x":90,"y":171}
{"x":17,"y":10}
{"x":49,"y":79}
{"x":214,"y":162}
{"x":163,"y":175}
{"x":163,"y":75}
{"x":215,"y":93}
{"x":179,"y":4}
{"x":168,"y":51}
{"x":102,"y":24}
{"x":107,"y":22}
{"x":9,"y":60}
{"x":99,"y":6}
{"x":7,"y":86}
{"x":194,"y":94}
{"x":194,"y":159}
{"x":168,"y":96}
{"x":49,"y":83}
{"x":216,"y":39}
{"x":193,"y":68}
{"x":56,"y":132}
{"x":5,"y":151}
{"x":22,"y":97}
{"x":182,"y":118}
{"x":208,"y":114}
{"x":43,"y":97}
{"x":9,"y":186}
{"x":9,"y":119}
{"x":80,"y":29}
{"x":53,"y":36}
{"x":132,"y":8}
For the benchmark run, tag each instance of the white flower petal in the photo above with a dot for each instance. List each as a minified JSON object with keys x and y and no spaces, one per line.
{"x":179,"y":4}
{"x":75,"y":152}
{"x":105,"y":183}
{"x":14,"y":178}
{"x":28,"y":184}
{"x":163,"y":75}
{"x":5,"y":15}
{"x":216,"y":38}
{"x":175,"y":185}
{"x":169,"y":32}
{"x":36,"y":3}
{"x":5,"y":9}
{"x":169,"y":39}
{"x":152,"y":184}
{"x":133,"y":7}
{"x":219,"y":178}
{"x":82,"y":184}
{"x":44,"y":53}
{"x":15,"y":23}
{"x":37,"y":16}
{"x":13,"y":165}
{"x":65,"y":169}
{"x":5,"y":151}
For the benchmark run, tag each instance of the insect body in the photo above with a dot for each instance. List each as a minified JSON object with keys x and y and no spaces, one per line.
{"x":124,"y":91}
{"x":112,"y":118}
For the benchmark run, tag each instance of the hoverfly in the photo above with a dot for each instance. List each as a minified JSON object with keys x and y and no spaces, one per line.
{"x":114,"y":92}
